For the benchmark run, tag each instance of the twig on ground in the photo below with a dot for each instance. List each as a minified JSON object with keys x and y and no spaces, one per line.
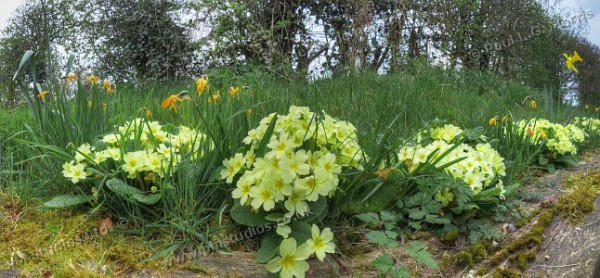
{"x":557,"y":266}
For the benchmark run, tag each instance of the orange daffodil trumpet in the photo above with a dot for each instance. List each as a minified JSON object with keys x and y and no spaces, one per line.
{"x":42,"y":95}
{"x":171,"y":101}
{"x":71,"y":77}
{"x":233,"y":91}
{"x":93,"y":79}
{"x":201,"y":84}
{"x":533,"y":104}
{"x":571,"y":60}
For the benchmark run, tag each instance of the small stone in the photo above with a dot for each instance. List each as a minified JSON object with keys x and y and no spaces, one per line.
{"x":546,"y":257}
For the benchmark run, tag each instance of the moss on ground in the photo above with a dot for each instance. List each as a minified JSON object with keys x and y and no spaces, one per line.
{"x":66,"y":244}
{"x":514,"y":258}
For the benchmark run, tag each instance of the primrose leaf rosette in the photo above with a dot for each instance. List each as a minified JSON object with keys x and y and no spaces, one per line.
{"x":141,"y":150}
{"x":479,"y":165}
{"x":292,"y":162}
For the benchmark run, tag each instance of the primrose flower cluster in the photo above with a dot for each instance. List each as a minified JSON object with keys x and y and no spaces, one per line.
{"x":560,"y":140}
{"x":304,"y":158}
{"x":591,"y":125}
{"x":479,"y":166}
{"x":139,"y":147}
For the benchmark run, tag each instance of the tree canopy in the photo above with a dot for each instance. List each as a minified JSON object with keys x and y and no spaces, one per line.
{"x":171,"y":39}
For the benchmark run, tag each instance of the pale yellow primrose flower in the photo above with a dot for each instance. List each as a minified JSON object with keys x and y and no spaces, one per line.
{"x":292,"y":259}
{"x":320,"y":243}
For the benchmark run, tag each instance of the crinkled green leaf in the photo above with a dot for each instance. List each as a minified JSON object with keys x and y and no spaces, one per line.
{"x":269,"y":246}
{"x":67,"y":201}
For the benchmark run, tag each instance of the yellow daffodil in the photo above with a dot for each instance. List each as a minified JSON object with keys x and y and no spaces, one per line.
{"x":71,"y":77}
{"x":320,"y":243}
{"x":104,"y":106}
{"x":93,"y":79}
{"x":201,"y":84}
{"x":171,"y":101}
{"x":233,"y":91}
{"x":89,"y":104}
{"x":492,"y":121}
{"x":571,"y":60}
{"x":148,"y":113}
{"x":505,"y":119}
{"x":292,"y":259}
{"x":543,"y":135}
{"x":110,"y":90}
{"x":533,"y":104}
{"x":214,"y":98}
{"x":249,"y":112}
{"x":530,"y":132}
{"x":106,"y":84}
{"x":42,"y":95}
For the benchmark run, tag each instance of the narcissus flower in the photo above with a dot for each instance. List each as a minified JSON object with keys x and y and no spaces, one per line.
{"x":571,"y":60}
{"x":71,"y":77}
{"x":505,"y":119}
{"x":201,"y":84}
{"x":492,"y":121}
{"x":93,"y":79}
{"x":171,"y":101}
{"x":292,"y":259}
{"x":106,"y":83}
{"x":149,"y":113}
{"x":42,"y":95}
{"x":214,"y":98}
{"x":533,"y":104}
{"x":233,"y":91}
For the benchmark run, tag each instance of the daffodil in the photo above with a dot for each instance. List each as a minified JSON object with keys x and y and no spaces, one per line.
{"x":214,"y":98}
{"x":571,"y":60}
{"x":201,"y":84}
{"x":533,"y":104}
{"x":291,"y":260}
{"x":492,"y":121}
{"x":171,"y":101}
{"x":233,"y":91}
{"x":71,"y":77}
{"x":505,"y":119}
{"x":106,"y":84}
{"x":320,"y":243}
{"x":42,"y":95}
{"x":93,"y":79}
{"x":149,"y":113}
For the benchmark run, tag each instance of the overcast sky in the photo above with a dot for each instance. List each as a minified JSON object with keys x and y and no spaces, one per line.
{"x":7,"y":7}
{"x":593,"y":6}
{"x":593,"y":33}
